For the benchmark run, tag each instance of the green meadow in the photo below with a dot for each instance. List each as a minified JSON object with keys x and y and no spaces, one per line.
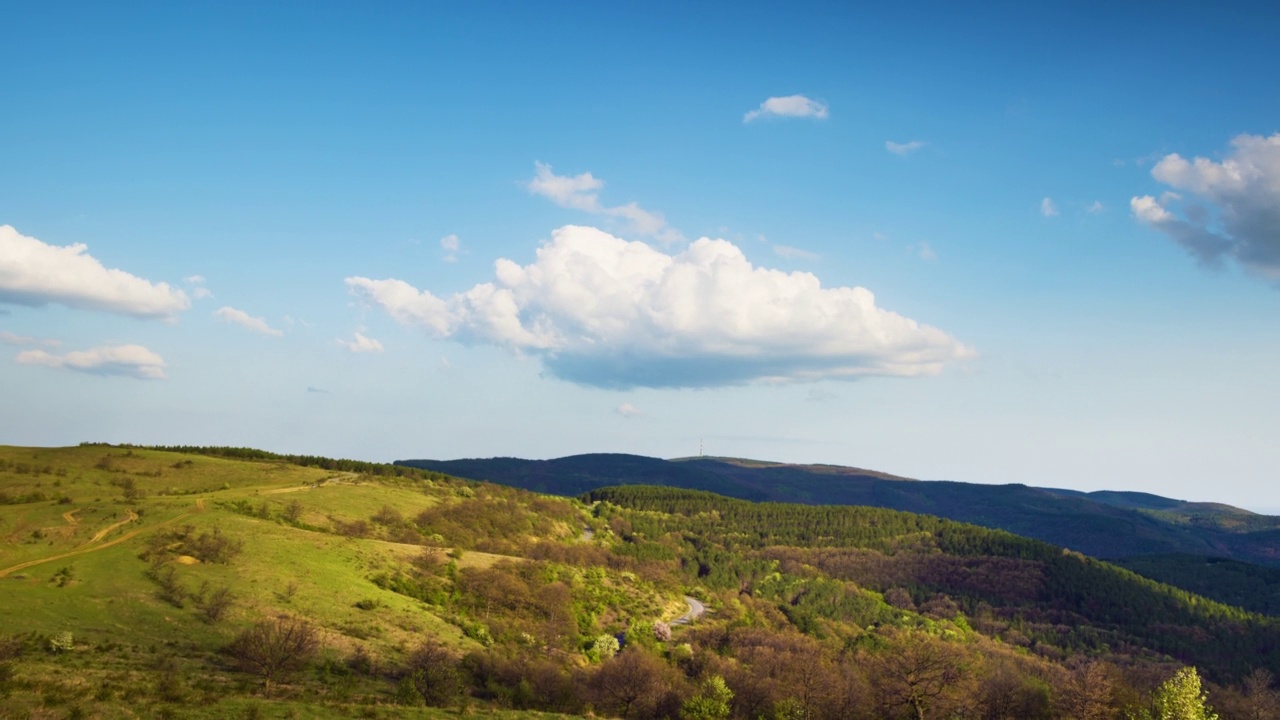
{"x":79,"y":530}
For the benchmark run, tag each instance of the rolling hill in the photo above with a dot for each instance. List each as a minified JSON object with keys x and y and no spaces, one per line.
{"x":147,"y":582}
{"x":1104,"y":524}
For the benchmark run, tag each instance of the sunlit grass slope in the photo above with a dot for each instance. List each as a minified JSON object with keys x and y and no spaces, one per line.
{"x":87,"y":533}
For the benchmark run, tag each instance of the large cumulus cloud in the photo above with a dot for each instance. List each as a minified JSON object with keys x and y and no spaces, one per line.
{"x":1232,"y":208}
{"x":36,"y":273}
{"x":601,"y":311}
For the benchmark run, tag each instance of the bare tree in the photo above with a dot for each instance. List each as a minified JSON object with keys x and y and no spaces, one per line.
{"x":1261,"y":700}
{"x":272,"y":649}
{"x":1087,"y":692}
{"x":916,"y":672}
{"x":630,"y":683}
{"x":213,"y":604}
{"x":433,"y":674}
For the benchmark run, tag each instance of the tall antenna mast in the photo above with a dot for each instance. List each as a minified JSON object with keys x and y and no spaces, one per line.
{"x":699,"y":447}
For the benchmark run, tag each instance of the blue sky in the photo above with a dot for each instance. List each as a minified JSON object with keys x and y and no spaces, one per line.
{"x":1032,"y":242}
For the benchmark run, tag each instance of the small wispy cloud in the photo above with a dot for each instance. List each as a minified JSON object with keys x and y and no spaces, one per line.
{"x":361,"y":344}
{"x":790,"y":106}
{"x":627,"y":410}
{"x":314,"y":389}
{"x":903,"y":149}
{"x":924,"y":251}
{"x":1095,"y":207}
{"x":794,"y":253}
{"x":123,"y":360}
{"x":198,"y":290}
{"x":9,"y":338}
{"x":450,"y":244}
{"x":582,"y":192}
{"x":231,"y":315}
{"x":1048,"y":208}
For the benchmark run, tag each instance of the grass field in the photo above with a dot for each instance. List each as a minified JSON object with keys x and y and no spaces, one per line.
{"x":77,"y":522}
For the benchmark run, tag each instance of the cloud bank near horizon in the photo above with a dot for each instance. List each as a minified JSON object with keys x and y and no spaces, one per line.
{"x":604,"y":312}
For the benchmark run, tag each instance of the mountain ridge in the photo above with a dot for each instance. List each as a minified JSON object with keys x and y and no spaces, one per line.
{"x":1109,"y":524}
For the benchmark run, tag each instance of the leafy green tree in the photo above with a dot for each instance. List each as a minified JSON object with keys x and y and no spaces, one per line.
{"x":604,"y":647}
{"x":1179,"y":698}
{"x":711,"y":702}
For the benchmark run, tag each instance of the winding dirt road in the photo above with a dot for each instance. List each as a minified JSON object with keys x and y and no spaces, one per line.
{"x":93,"y":544}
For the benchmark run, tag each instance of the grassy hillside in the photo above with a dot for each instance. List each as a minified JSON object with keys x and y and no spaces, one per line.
{"x":138,"y":583}
{"x":78,"y":553}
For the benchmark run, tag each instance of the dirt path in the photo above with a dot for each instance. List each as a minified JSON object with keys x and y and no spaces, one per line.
{"x":335,"y":479}
{"x":106,"y":530}
{"x":87,"y":548}
{"x":70,"y":517}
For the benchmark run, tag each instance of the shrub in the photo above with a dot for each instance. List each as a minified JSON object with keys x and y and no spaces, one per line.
{"x":433,"y":674}
{"x":603,"y":648}
{"x":273,"y":649}
{"x":62,"y":642}
{"x":214,"y":605}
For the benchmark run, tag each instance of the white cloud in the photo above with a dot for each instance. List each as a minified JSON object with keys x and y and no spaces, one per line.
{"x":1048,"y":208}
{"x":36,"y":273}
{"x":601,"y":311}
{"x":789,"y":106}
{"x":361,"y":344}
{"x":627,"y":410}
{"x":1095,"y":207}
{"x":198,"y":291}
{"x":903,"y":148}
{"x":793,"y":253}
{"x":1235,"y":212}
{"x":127,"y":360}
{"x":450,"y":244}
{"x":925,"y":251}
{"x":581,"y":192}
{"x":9,"y":338}
{"x":245,"y":320}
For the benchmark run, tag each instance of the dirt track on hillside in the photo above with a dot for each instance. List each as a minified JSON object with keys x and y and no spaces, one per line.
{"x":90,"y":546}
